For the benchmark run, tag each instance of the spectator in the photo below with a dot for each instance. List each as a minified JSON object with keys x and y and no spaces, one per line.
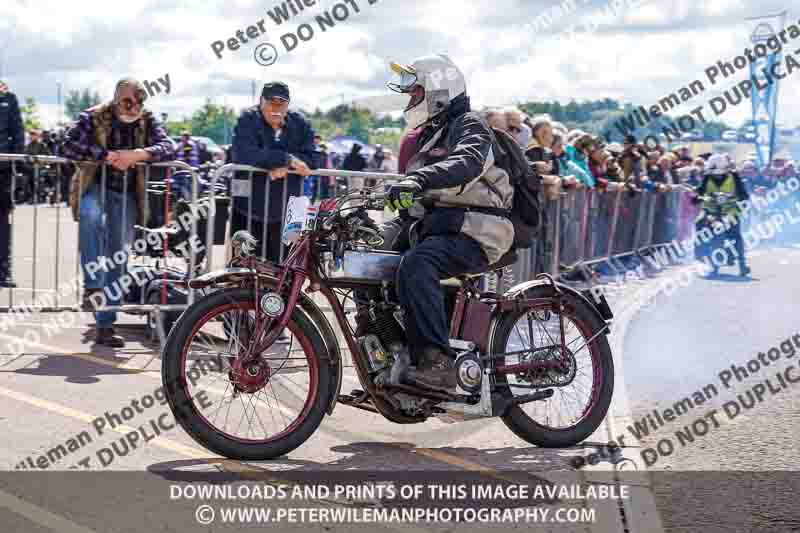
{"x":336,"y":160}
{"x":122,"y":133}
{"x":376,"y":162}
{"x":579,"y":159}
{"x":12,"y":141}
{"x":37,"y":146}
{"x":187,"y":150}
{"x":497,"y":119}
{"x":664,"y":172}
{"x":66,"y":169}
{"x":48,"y":140}
{"x":631,"y":160}
{"x":203,"y":155}
{"x":613,"y":170}
{"x":356,"y":162}
{"x":597,"y":160}
{"x":559,"y":154}
{"x":516,"y":127}
{"x":321,"y":188}
{"x":389,"y":163}
{"x":538,"y":149}
{"x":271,"y":137}
{"x":684,"y":156}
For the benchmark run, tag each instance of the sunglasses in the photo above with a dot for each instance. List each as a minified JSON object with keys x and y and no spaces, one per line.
{"x":130,"y":104}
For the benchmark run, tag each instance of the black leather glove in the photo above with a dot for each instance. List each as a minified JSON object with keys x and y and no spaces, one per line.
{"x":401,"y":194}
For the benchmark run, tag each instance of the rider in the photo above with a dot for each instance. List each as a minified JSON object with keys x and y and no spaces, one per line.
{"x":463,"y":225}
{"x":720,"y":179}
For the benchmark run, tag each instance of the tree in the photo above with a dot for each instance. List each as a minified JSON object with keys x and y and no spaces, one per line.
{"x":175,"y":127}
{"x":360,"y":125}
{"x":214,"y":121}
{"x":78,"y":101}
{"x":30,"y":115}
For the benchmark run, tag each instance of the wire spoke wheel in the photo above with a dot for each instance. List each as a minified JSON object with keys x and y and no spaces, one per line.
{"x":579,"y":371}
{"x":254,"y":410}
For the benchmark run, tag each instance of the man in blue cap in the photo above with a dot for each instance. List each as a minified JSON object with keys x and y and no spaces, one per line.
{"x":271,"y":137}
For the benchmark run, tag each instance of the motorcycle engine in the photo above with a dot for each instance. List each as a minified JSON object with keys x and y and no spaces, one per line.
{"x":378,"y":328}
{"x":382,"y":323}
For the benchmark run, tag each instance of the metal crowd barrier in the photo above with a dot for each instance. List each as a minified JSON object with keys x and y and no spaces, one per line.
{"x":585,"y":227}
{"x":243,"y":183}
{"x":588,"y":227}
{"x":65,"y":236}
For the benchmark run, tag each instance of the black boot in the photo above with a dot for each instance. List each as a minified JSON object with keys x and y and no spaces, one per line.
{"x":107,"y":337}
{"x":435,"y":371}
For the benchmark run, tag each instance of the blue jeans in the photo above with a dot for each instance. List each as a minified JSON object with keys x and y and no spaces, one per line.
{"x":102,"y":234}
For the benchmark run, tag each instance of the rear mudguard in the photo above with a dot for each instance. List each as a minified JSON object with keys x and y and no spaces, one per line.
{"x":596,"y":300}
{"x":233,"y":275}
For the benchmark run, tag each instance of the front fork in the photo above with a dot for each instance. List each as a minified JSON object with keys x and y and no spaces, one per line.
{"x":273,"y":309}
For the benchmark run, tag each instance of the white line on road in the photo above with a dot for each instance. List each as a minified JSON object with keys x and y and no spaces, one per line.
{"x":39,"y":515}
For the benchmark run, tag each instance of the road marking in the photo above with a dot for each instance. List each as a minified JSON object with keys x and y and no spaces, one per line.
{"x":69,"y":412}
{"x":447,"y":458}
{"x":40,"y":515}
{"x":372,"y":436}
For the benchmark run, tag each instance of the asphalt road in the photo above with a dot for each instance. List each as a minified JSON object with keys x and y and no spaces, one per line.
{"x":728,"y":460}
{"x":689,"y":341}
{"x":62,"y":385}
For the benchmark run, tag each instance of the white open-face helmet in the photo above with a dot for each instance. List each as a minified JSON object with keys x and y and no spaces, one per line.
{"x":716,"y":165}
{"x":432,"y":82}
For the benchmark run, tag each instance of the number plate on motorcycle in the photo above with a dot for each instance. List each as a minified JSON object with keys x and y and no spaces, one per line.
{"x":240,"y":188}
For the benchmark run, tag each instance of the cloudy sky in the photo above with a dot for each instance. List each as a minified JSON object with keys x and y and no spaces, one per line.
{"x":637,"y":52}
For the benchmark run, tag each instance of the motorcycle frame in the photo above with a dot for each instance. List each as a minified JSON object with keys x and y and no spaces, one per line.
{"x":298,"y":268}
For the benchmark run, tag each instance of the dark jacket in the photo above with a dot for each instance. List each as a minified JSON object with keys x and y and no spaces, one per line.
{"x":255,"y":143}
{"x":535,"y":152}
{"x":97,"y":132}
{"x":355,"y":161}
{"x":455,"y":164}
{"x":12,"y":133}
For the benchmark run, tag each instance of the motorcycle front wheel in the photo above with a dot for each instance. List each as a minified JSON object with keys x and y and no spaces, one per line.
{"x":259,"y":412}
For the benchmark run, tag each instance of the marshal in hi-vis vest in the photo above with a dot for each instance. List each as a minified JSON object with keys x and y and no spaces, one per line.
{"x":728,"y":186}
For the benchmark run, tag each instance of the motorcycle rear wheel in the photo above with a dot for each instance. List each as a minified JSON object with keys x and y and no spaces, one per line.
{"x":588,"y":391}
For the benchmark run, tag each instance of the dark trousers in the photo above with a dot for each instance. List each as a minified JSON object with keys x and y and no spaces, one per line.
{"x":420,"y":293}
{"x":269,"y":248}
{"x":5,"y":243}
{"x":5,"y":221}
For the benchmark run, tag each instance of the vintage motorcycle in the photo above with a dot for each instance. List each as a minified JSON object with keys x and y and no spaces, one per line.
{"x":537,"y":356}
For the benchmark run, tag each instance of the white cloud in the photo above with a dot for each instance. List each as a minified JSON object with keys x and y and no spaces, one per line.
{"x":637,"y":54}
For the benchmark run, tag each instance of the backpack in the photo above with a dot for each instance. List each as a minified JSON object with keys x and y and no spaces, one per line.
{"x":526,"y":213}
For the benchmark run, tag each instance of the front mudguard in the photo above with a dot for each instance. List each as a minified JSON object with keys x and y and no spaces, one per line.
{"x":334,"y":355}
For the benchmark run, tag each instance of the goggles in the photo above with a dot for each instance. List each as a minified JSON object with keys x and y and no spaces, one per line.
{"x":404,"y":79}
